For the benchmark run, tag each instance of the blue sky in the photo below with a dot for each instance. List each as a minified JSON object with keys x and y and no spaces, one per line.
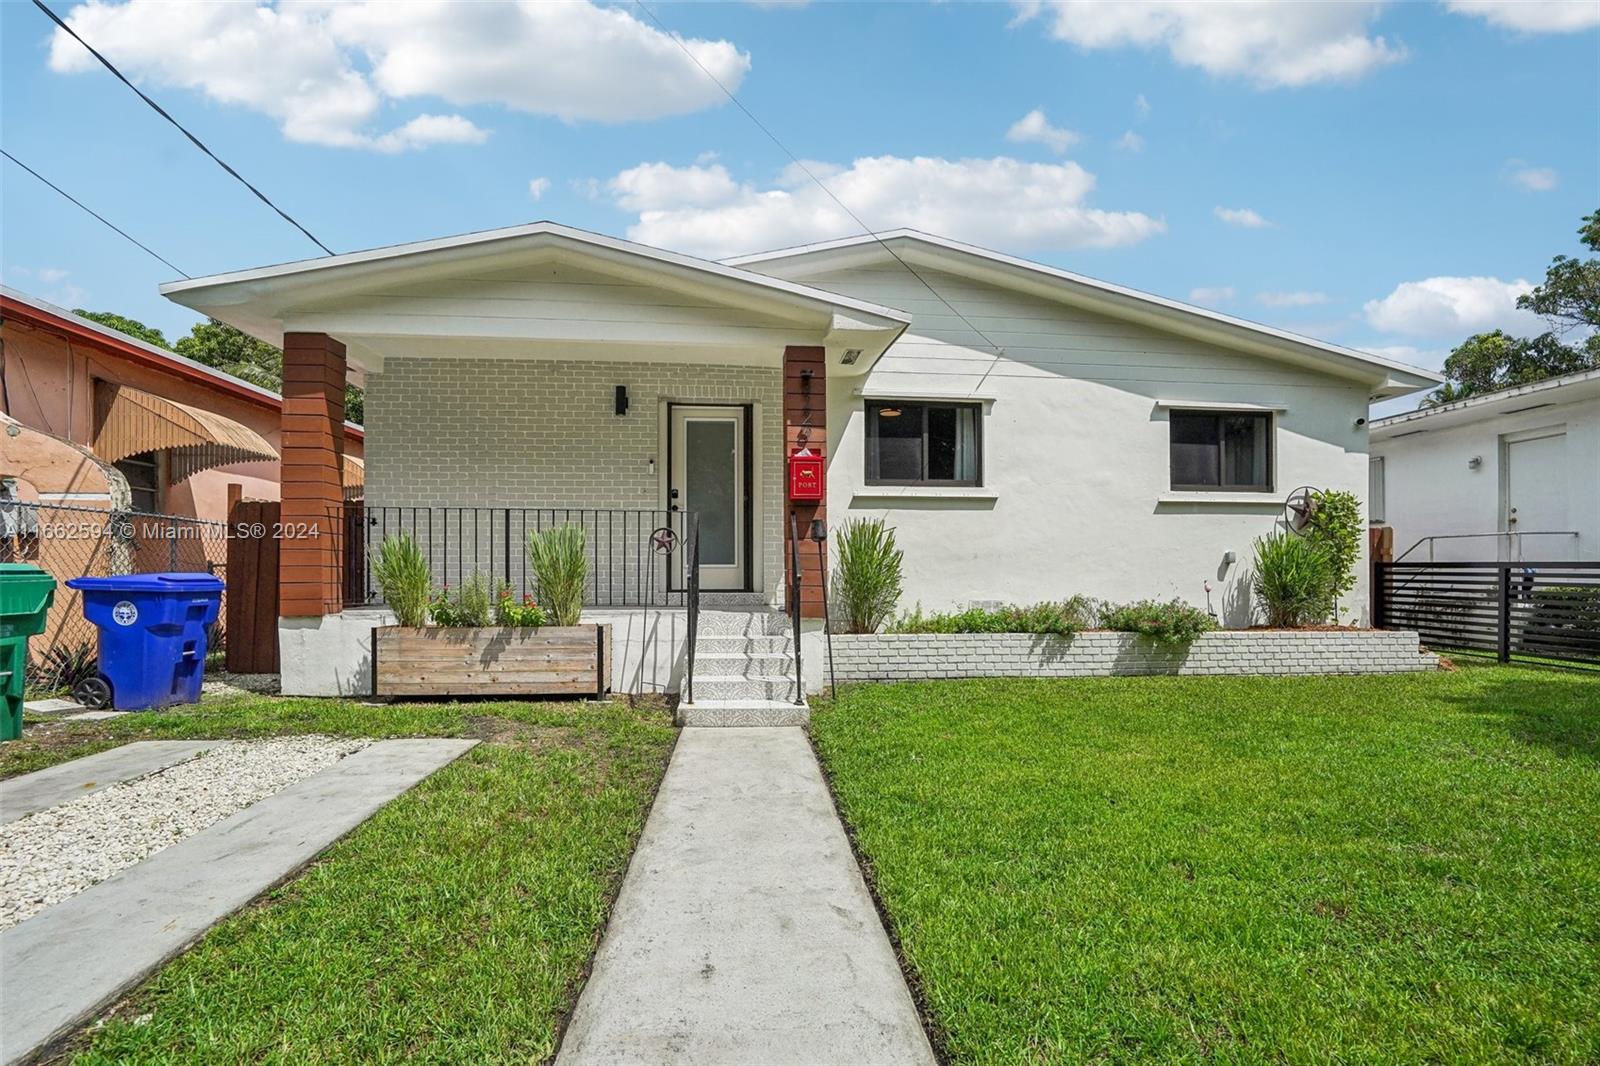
{"x":1377,"y":175}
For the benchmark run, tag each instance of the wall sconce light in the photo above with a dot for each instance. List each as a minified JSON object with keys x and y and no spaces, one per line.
{"x":1475,"y":462}
{"x":622,"y":400}
{"x":850,"y":356}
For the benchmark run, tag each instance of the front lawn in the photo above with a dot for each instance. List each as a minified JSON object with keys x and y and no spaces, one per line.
{"x":1400,"y":869}
{"x":451,"y":927}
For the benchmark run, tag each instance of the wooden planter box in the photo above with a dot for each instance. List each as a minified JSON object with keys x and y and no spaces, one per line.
{"x":492,"y":661}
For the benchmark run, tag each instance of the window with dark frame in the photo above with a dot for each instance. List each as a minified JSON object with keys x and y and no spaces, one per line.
{"x":924,"y":443}
{"x":144,"y":480}
{"x":1221,"y":451}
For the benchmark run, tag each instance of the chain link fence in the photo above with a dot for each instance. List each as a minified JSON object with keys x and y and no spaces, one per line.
{"x":68,"y":541}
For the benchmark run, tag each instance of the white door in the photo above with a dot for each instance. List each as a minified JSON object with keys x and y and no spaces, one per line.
{"x":1536,"y":496}
{"x":707,"y":476}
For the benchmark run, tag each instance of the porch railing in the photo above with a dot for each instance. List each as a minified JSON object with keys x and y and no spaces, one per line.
{"x":627,"y":566}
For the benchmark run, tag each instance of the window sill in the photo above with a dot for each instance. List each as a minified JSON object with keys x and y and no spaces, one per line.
{"x":923,"y":492}
{"x":1264,"y":498}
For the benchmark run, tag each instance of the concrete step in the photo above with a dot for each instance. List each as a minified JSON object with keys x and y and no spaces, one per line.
{"x":743,"y":664}
{"x":714,"y":645}
{"x":714,"y":712}
{"x":743,"y":624}
{"x":711,"y":601}
{"x":738,"y":687}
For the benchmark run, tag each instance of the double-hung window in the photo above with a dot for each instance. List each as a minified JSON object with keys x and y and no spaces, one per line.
{"x":1221,"y":451}
{"x":924,"y":443}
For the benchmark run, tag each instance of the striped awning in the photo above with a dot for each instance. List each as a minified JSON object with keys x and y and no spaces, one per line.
{"x":355,"y":478}
{"x":132,"y":421}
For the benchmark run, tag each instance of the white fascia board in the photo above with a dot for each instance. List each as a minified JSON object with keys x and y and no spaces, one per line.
{"x":1389,"y":377}
{"x":1219,"y":405}
{"x":245,"y":286}
{"x":1571,"y":388}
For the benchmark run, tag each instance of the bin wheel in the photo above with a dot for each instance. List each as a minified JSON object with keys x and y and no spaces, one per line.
{"x":93,"y":692}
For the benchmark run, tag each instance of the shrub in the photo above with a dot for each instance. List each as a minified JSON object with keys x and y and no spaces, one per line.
{"x":1174,"y":622}
{"x":1293,"y":579}
{"x":467,"y":606}
{"x":509,"y":612}
{"x":1335,"y":525}
{"x":1064,"y":619}
{"x":404,"y":578}
{"x":560,"y":562}
{"x":867,"y":578}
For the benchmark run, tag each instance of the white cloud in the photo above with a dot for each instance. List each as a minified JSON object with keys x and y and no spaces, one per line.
{"x":1035,"y":127}
{"x":1000,"y":202}
{"x":1212,"y":294}
{"x":46,"y":282}
{"x":1130,"y":142}
{"x":538,"y":187}
{"x":1532,"y":16}
{"x":1533,"y":179}
{"x":1269,"y":43}
{"x":1291,"y":299}
{"x":50,"y":275}
{"x":1240,"y":216}
{"x":1452,"y":307}
{"x":325,"y":71}
{"x":1141,"y":105}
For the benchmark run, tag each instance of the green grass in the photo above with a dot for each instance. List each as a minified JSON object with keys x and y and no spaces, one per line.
{"x":1401,"y":869}
{"x":451,"y":927}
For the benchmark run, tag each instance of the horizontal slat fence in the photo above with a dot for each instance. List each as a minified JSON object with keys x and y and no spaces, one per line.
{"x":1544,"y":610}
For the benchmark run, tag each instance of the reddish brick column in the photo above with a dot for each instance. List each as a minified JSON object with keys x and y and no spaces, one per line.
{"x":805,"y":424}
{"x":311,"y":562}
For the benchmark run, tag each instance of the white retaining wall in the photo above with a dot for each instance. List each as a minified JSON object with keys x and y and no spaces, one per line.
{"x":901,"y":657}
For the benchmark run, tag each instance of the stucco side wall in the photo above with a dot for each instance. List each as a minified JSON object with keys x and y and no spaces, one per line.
{"x":1076,"y":495}
{"x":1431,"y":490}
{"x":447,"y":431}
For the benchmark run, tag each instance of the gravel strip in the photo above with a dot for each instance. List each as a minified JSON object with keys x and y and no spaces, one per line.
{"x":54,"y":854}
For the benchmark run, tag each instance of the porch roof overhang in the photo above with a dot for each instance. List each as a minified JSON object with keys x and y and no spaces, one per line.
{"x":132,"y":421}
{"x":497,"y":294}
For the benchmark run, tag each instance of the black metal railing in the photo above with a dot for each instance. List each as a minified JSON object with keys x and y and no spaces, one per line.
{"x":691,"y":556}
{"x":1543,"y":610}
{"x":626,"y":566}
{"x":795,"y":586}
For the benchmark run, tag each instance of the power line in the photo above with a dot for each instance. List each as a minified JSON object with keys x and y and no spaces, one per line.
{"x":193,"y":139}
{"x":103,"y":220}
{"x":807,"y":171}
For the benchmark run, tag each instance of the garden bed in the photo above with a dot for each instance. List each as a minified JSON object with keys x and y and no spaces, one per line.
{"x":491,"y":661}
{"x":1098,"y":653}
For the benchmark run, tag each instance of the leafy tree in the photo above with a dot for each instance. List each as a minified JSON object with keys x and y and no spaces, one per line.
{"x":217,"y":344}
{"x":132,"y":327}
{"x":1569,"y":300}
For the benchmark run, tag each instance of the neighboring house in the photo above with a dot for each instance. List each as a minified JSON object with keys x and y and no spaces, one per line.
{"x":1509,"y":475}
{"x":1113,"y":443}
{"x":108,"y":420}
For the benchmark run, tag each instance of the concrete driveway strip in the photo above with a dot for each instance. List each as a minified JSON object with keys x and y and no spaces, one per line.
{"x":43,"y":789}
{"x":66,"y":963}
{"x":744,"y":932}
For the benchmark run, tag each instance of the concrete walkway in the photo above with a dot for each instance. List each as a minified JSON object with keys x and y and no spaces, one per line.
{"x":744,"y":932}
{"x":66,"y":963}
{"x":42,"y":789}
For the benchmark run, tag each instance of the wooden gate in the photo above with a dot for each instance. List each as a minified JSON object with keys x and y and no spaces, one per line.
{"x":252,"y":602}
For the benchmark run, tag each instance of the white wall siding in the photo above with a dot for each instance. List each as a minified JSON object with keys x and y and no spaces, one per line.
{"x":1075,"y":451}
{"x":541,"y":433}
{"x":1432,"y":491}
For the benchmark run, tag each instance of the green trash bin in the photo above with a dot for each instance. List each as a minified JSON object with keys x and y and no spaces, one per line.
{"x":26,"y":593}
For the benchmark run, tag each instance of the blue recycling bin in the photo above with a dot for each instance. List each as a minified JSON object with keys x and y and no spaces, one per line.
{"x":153,"y":637}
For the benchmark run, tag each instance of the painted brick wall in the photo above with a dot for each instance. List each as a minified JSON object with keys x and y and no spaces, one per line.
{"x":542,"y":433}
{"x":898,"y":657}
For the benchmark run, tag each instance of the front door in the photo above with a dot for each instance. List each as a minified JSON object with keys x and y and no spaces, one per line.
{"x":1536,"y":494}
{"x":707,"y":475}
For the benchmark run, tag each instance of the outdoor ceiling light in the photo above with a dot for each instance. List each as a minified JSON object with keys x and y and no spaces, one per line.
{"x":850,"y":356}
{"x":888,"y":412}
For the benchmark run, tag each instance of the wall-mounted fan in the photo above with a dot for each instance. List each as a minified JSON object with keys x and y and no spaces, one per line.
{"x":1299,"y":507}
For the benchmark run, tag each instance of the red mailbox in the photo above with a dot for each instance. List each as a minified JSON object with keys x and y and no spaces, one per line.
{"x":805,"y":475}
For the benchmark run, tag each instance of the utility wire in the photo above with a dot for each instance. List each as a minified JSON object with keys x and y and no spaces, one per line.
{"x":103,"y":220}
{"x":773,"y":137}
{"x":193,"y":139}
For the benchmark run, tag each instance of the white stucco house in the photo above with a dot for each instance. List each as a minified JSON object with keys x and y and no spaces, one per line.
{"x":1511,"y":475}
{"x":1030,"y":433}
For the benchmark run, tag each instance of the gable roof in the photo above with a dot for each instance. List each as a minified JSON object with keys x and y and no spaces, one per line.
{"x":39,"y":312}
{"x":262,"y":299}
{"x":1568,"y":388}
{"x":1386,"y":376}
